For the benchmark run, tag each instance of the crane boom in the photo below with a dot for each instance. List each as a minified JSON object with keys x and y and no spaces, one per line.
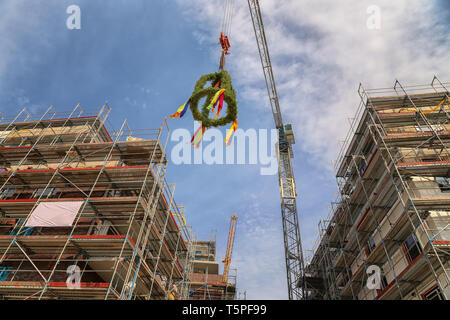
{"x":265,"y":61}
{"x":227,"y":259}
{"x":291,"y":231}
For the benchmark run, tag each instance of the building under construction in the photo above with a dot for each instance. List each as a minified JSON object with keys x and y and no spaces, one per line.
{"x":393,"y":209}
{"x":206,"y":282}
{"x":86,"y":213}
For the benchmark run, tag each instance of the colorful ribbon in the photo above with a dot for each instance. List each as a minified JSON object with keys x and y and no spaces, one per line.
{"x":218,"y":84}
{"x":197,"y":136}
{"x":181,"y":110}
{"x":219,"y":107}
{"x":231,"y":132}
{"x":214,"y":99}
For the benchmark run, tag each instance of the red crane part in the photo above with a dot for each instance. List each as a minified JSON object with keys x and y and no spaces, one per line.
{"x":225,"y":43}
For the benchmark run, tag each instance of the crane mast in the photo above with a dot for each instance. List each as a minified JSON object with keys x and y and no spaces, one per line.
{"x":291,"y":231}
{"x":227,"y":259}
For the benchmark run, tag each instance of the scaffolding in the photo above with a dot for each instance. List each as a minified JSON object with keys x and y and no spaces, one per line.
{"x":128,"y":240}
{"x":393,"y":204}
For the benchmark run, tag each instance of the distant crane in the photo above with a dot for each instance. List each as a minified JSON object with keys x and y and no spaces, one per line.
{"x":227,"y":259}
{"x":291,"y":231}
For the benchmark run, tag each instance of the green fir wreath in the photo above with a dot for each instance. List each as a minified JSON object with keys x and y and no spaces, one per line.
{"x":229,"y":97}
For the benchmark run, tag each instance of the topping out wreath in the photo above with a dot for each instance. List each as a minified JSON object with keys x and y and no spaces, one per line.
{"x":220,"y":90}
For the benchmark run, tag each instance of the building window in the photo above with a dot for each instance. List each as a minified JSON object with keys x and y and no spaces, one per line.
{"x":345,"y":278}
{"x":368,"y":148}
{"x":370,"y":245}
{"x":7,"y":193}
{"x":430,"y":159}
{"x":46,"y":193}
{"x":444,"y":183}
{"x":362,"y":168}
{"x":411,"y":247}
{"x":4,"y":273}
{"x":353,"y":187}
{"x":384,"y":283}
{"x":433,"y":294}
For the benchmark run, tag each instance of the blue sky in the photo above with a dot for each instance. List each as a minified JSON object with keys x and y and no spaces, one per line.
{"x":144,"y":58}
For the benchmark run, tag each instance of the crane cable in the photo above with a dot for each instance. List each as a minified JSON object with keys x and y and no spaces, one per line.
{"x":227,"y":17}
{"x":226,"y":31}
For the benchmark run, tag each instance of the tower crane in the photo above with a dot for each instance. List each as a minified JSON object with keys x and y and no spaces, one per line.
{"x":227,"y":259}
{"x":291,"y":231}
